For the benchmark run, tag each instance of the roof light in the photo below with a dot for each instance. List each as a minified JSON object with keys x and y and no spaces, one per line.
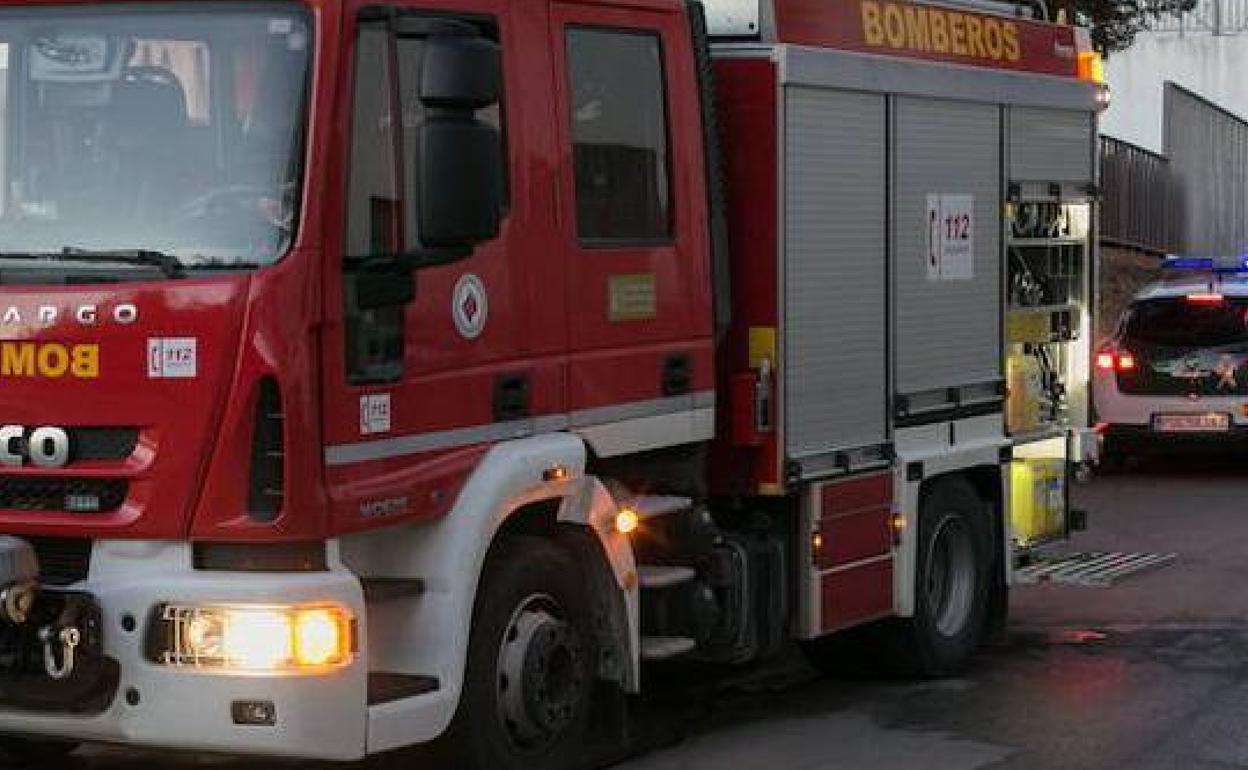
{"x":1089,"y":65}
{"x":1126,"y":362}
{"x":1105,"y":361}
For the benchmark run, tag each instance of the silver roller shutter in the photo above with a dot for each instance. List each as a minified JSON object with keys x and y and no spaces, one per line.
{"x":948,"y":332}
{"x":835,"y":240}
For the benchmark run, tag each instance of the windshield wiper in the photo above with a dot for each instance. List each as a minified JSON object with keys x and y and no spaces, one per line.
{"x":168,"y":264}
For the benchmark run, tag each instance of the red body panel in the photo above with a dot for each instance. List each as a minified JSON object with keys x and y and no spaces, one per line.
{"x":749,"y":119}
{"x":855,"y":562}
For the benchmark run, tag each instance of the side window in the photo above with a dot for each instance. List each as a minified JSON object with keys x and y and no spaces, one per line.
{"x":619,"y":135}
{"x":388,"y":110}
{"x":374,"y":200}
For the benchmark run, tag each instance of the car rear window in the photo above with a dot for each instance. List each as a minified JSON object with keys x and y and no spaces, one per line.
{"x":1180,"y":322}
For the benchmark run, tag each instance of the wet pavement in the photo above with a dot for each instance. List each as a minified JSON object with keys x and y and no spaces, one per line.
{"x":1149,"y":674}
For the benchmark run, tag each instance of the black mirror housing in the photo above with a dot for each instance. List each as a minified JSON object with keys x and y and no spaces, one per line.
{"x":380,"y":284}
{"x":460,"y":73}
{"x":461,"y":181}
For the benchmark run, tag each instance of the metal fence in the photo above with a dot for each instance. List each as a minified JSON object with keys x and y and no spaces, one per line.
{"x":1140,"y":207}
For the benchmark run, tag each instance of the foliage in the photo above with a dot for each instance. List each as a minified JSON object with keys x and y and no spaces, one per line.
{"x":1115,"y":23}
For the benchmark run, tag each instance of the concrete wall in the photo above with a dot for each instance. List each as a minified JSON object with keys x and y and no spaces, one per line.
{"x":1214,"y":67}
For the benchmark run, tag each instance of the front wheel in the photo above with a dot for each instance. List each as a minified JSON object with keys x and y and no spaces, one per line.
{"x":531,"y":663}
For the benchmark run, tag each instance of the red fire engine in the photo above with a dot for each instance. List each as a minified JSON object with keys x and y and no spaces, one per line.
{"x":377,"y":372}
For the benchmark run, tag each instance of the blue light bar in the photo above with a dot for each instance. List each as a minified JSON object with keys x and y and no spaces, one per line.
{"x":1187,"y":263}
{"x":1220,"y":265}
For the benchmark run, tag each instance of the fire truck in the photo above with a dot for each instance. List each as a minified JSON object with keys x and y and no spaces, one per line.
{"x":377,"y":373}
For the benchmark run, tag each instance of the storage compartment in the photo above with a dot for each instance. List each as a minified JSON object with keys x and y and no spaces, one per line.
{"x":947,"y":252}
{"x":835,"y":268}
{"x":1048,"y":247}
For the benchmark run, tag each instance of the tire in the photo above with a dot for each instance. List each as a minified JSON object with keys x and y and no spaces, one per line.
{"x":531,"y":668}
{"x":953,"y":584}
{"x":24,"y":752}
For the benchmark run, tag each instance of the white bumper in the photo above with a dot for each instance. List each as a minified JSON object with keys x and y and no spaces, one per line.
{"x":321,"y":716}
{"x":1114,"y":408}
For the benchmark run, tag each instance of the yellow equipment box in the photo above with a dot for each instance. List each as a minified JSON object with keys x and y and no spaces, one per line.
{"x":1038,"y":499}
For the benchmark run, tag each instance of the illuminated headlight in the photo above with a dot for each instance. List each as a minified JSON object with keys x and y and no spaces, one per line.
{"x":254,"y":638}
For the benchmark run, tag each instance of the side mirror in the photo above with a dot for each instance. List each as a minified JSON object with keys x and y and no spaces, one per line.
{"x":380,"y":284}
{"x":460,"y":73}
{"x":459,"y":198}
{"x":459,"y":187}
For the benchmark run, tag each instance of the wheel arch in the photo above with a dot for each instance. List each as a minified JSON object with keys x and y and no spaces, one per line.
{"x":510,"y":491}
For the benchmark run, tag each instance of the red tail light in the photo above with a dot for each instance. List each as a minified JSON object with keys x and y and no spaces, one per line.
{"x":1115,"y":360}
{"x":1205,"y":298}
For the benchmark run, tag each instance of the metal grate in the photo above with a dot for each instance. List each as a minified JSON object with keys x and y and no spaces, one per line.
{"x":102,"y":444}
{"x":64,"y":495}
{"x":1096,"y":569}
{"x":62,"y":561}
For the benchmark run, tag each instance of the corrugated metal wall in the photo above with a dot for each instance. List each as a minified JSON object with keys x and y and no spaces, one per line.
{"x":1208,"y":152}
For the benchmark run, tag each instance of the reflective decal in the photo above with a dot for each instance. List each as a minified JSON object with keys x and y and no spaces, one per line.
{"x":375,"y":414}
{"x":172,"y":358}
{"x":49,"y":360}
{"x":470,"y":306}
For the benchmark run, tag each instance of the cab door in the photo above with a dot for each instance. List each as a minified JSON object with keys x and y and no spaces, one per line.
{"x":633,"y":226}
{"x":416,"y":393}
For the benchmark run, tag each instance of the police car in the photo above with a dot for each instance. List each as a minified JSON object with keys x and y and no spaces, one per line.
{"x":1176,"y":368}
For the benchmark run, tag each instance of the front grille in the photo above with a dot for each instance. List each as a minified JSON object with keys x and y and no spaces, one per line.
{"x":102,"y":444}
{"x":65,"y":495}
{"x":62,"y":560}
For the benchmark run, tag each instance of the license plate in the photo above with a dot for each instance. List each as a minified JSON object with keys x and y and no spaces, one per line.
{"x":1191,"y":423}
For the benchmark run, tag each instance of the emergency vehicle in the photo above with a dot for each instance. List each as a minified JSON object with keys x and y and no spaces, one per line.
{"x":1173,"y":372}
{"x":377,"y":372}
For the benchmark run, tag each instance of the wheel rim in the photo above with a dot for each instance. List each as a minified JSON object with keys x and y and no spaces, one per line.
{"x":540,"y":674}
{"x":950,"y":578}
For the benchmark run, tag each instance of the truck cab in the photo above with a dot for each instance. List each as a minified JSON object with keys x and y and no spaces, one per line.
{"x":375,"y":374}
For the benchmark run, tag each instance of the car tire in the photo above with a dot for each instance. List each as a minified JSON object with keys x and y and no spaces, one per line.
{"x":531,"y":667}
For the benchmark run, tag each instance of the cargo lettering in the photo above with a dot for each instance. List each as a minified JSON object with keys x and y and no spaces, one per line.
{"x":50,"y":360}
{"x":935,"y":30}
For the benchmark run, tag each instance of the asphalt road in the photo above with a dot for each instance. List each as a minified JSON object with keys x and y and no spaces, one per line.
{"x":1150,"y":674}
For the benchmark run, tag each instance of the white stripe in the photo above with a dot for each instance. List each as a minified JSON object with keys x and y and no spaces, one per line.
{"x":418,"y":443}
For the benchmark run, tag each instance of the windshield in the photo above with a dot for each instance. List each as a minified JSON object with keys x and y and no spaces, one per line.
{"x":1180,"y":323}
{"x":135,"y":128}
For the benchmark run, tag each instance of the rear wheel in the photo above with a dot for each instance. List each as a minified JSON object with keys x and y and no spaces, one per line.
{"x":34,"y":751}
{"x":953,"y":584}
{"x":531,"y":663}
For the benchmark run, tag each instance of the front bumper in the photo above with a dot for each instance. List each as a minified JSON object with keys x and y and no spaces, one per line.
{"x":322,"y":716}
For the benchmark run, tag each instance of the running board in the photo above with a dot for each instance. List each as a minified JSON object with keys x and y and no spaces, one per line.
{"x":1095,"y":569}
{"x":665,"y":647}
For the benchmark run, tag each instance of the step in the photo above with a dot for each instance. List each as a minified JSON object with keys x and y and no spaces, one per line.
{"x":665,"y":647}
{"x":656,"y":577}
{"x":1094,"y":569}
{"x":650,"y":506}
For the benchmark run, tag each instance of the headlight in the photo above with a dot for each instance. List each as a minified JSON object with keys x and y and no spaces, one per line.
{"x":254,"y":638}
